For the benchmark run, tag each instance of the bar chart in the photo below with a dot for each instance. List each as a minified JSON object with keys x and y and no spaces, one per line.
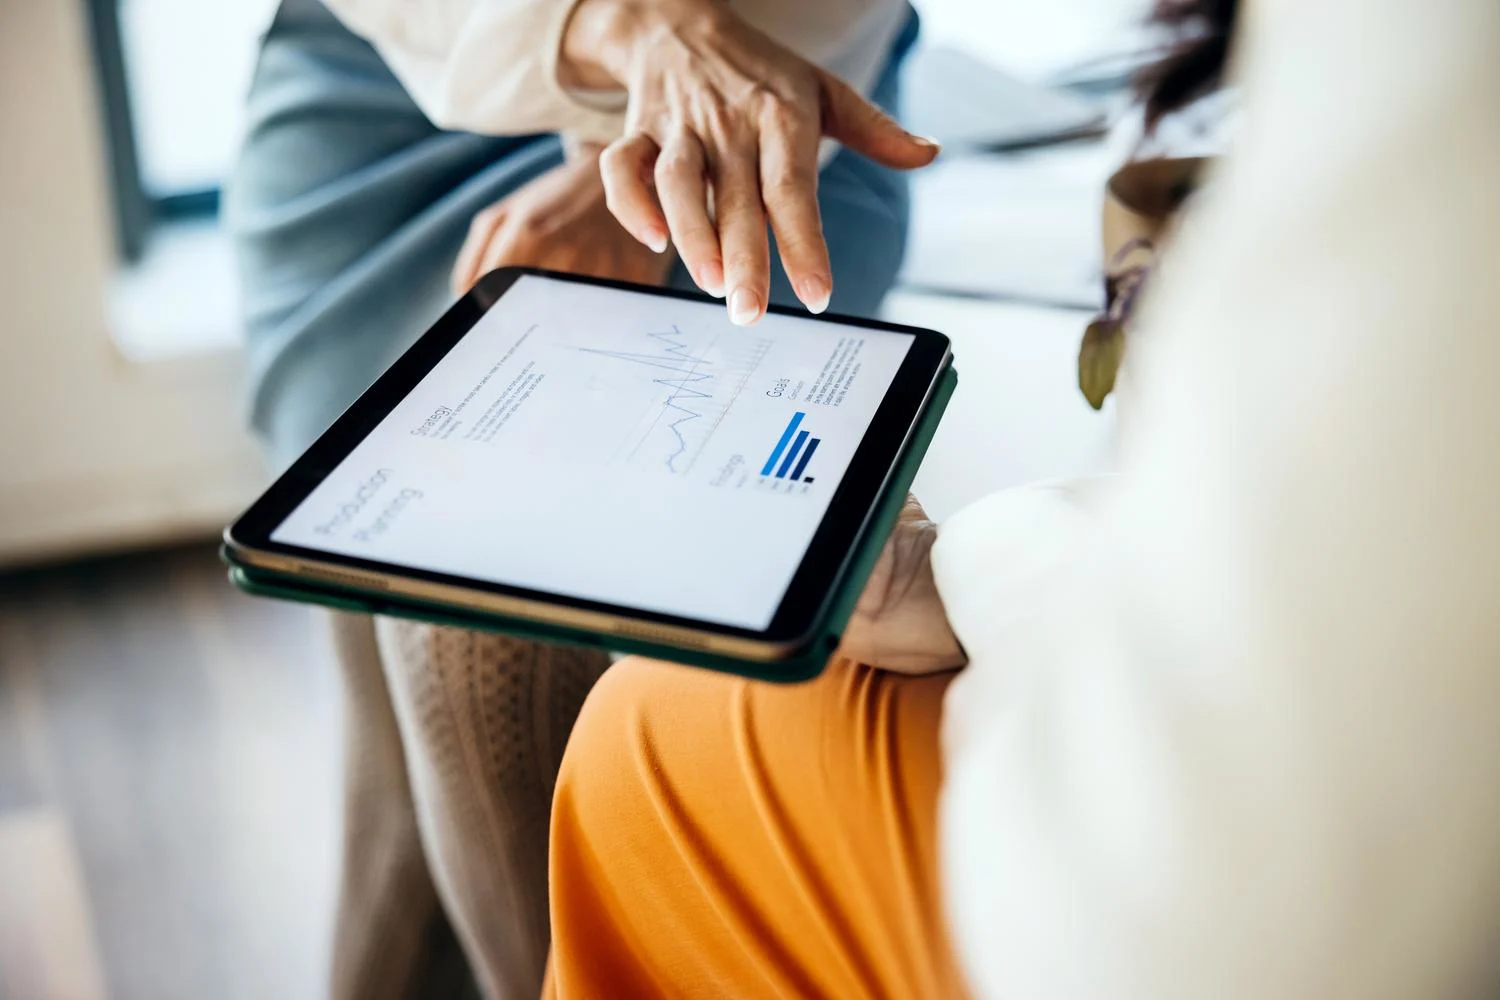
{"x":793,"y":453}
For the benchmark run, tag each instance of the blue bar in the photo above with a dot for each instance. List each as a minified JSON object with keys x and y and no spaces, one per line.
{"x":791,"y":429}
{"x":791,"y":456}
{"x":807,"y":455}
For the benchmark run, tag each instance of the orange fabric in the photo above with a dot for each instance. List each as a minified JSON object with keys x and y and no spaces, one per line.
{"x":716,"y":837}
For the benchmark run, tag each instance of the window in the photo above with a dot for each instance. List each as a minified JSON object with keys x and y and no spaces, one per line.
{"x":173,"y":76}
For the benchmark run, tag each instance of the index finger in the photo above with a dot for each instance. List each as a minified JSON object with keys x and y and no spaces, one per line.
{"x":789,"y":180}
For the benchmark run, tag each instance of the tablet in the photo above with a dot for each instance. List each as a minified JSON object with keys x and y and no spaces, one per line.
{"x":597,"y":462}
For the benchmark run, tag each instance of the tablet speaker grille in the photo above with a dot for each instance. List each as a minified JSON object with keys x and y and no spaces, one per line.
{"x":653,"y":634}
{"x":345,"y":579}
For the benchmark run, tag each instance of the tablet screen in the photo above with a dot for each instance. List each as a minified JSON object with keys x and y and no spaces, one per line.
{"x":613,"y":446}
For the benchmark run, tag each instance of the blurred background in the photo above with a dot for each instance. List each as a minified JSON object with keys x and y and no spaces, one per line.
{"x":169,"y":750}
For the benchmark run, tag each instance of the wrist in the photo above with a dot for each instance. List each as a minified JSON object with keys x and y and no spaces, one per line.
{"x":597,"y":43}
{"x":603,"y":37}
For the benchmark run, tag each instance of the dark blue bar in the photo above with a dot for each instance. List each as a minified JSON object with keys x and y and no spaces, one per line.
{"x":807,"y":455}
{"x":791,"y":429}
{"x":791,"y":456}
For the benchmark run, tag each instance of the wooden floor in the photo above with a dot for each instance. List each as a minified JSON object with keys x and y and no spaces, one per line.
{"x":168,"y":763}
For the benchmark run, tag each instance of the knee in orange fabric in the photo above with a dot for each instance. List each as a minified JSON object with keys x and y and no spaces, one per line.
{"x":717,"y":837}
{"x":600,"y":829}
{"x":617,"y":706}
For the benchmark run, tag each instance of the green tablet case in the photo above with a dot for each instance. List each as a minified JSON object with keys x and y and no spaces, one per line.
{"x":808,"y":664}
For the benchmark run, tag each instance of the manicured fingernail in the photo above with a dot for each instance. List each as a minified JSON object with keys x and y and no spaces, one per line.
{"x":926,"y":140}
{"x":711,"y":280}
{"x":814,"y":294}
{"x":744,"y":307}
{"x":655,"y":239}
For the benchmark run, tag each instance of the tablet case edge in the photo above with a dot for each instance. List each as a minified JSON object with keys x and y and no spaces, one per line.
{"x":805,"y":666}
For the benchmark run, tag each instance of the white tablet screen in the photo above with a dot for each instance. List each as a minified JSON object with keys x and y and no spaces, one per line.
{"x":613,"y":446}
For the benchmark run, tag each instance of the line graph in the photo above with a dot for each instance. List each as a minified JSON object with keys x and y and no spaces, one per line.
{"x":701,"y":384}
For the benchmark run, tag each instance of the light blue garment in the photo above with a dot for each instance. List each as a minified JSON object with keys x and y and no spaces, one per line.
{"x":348,"y":208}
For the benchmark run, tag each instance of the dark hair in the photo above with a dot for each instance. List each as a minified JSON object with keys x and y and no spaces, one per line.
{"x":1194,"y":64}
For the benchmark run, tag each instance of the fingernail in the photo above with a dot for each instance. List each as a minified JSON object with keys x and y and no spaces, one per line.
{"x":815,"y":294}
{"x":655,"y":239}
{"x":926,"y":140}
{"x":744,"y":307}
{"x":711,"y":280}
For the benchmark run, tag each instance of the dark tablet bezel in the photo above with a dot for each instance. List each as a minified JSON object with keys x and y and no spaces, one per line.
{"x":823,"y":564}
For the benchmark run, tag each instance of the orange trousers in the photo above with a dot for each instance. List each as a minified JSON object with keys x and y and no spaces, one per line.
{"x":716,"y":837}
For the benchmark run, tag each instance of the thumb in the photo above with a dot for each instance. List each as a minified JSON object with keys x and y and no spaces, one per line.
{"x":864,"y":128}
{"x":912,"y":510}
{"x":471,"y":256}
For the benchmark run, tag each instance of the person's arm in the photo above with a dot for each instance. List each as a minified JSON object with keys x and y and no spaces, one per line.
{"x":1231,"y":725}
{"x":716,"y":139}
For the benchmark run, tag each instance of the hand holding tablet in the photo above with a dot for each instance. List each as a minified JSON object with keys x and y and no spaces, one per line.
{"x":594,"y":462}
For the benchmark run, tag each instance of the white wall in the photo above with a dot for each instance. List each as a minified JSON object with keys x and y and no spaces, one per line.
{"x":95,"y":451}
